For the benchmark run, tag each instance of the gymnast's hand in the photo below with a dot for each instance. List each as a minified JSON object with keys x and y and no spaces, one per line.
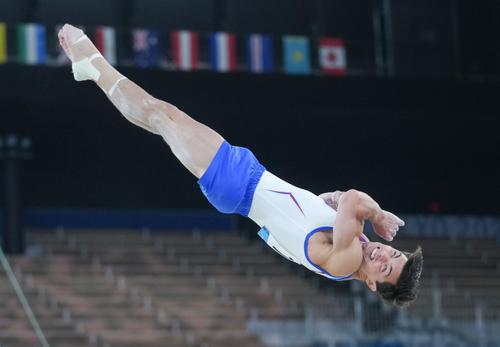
{"x":386,"y":225}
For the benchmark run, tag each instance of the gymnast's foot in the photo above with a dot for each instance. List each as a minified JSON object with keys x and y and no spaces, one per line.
{"x":81,"y":51}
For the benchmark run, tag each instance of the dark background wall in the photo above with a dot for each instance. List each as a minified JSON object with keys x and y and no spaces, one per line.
{"x":428,"y":133}
{"x":408,"y":143}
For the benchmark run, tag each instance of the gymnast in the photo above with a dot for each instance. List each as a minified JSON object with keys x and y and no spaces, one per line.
{"x":322,"y":233}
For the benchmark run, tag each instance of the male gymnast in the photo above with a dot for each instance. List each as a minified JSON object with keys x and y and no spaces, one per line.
{"x":323,"y":233}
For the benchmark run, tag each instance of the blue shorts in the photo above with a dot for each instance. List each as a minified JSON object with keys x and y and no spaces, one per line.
{"x":231,"y":178}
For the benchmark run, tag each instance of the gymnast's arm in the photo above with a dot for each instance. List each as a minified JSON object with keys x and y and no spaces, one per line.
{"x":354,"y":207}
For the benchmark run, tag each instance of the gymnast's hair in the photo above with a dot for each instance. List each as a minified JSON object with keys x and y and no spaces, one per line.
{"x":405,"y":290}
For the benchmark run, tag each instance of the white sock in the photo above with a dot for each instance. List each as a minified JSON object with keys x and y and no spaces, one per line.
{"x":84,"y":70}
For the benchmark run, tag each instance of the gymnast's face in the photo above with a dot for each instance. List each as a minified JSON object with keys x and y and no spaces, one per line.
{"x":381,"y":263}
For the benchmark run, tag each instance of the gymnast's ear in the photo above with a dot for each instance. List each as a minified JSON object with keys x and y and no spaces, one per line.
{"x":371,"y":284}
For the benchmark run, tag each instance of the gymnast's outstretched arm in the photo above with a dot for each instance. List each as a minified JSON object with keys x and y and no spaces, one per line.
{"x":193,"y":143}
{"x":354,"y":207}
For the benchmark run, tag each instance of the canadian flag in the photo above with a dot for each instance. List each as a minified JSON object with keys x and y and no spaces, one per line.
{"x":185,"y":49}
{"x":332,"y":57}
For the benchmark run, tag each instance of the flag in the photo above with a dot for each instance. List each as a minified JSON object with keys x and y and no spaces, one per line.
{"x":223,"y":51}
{"x":185,"y":49}
{"x":260,"y":53}
{"x":3,"y":43}
{"x":31,"y":44}
{"x":332,"y":57}
{"x":296,"y":55}
{"x":105,"y":41}
{"x":146,"y":47}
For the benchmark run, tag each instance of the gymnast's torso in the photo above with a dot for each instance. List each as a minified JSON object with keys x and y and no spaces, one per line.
{"x":236,"y":182}
{"x":289,"y":216}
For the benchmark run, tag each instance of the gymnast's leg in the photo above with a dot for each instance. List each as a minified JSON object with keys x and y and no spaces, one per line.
{"x":193,"y":143}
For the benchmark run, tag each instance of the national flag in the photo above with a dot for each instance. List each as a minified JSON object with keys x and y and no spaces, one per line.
{"x":332,"y":57}
{"x":185,"y":49}
{"x":260,"y":53}
{"x":31,"y":44}
{"x":223,"y":51}
{"x":105,"y":41}
{"x":3,"y":43}
{"x":296,"y":55}
{"x":146,"y":47}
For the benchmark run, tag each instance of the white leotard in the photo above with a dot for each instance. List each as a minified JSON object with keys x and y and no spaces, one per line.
{"x":289,"y":216}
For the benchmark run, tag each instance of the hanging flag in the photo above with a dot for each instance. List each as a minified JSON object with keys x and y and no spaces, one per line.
{"x":3,"y":43}
{"x":105,"y":41}
{"x":223,"y":51}
{"x":260,"y":53}
{"x":332,"y":57}
{"x":296,"y":55}
{"x":146,"y":47}
{"x":31,"y":44}
{"x":185,"y":49}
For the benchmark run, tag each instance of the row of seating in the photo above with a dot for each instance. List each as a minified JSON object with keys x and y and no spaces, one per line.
{"x":185,"y":288}
{"x":200,"y":288}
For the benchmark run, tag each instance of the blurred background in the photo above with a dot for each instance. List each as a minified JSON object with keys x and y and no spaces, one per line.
{"x":114,"y":245}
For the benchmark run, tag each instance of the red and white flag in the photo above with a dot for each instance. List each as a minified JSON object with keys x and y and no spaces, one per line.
{"x":332,"y":56}
{"x":185,"y":49}
{"x":105,"y":41}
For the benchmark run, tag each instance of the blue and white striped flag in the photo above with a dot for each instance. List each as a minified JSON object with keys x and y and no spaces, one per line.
{"x":260,"y":53}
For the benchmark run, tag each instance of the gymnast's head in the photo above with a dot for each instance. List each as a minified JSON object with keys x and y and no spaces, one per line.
{"x":393,"y":274}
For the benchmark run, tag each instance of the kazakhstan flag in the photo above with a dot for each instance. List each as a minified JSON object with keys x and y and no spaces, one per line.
{"x":296,"y":55}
